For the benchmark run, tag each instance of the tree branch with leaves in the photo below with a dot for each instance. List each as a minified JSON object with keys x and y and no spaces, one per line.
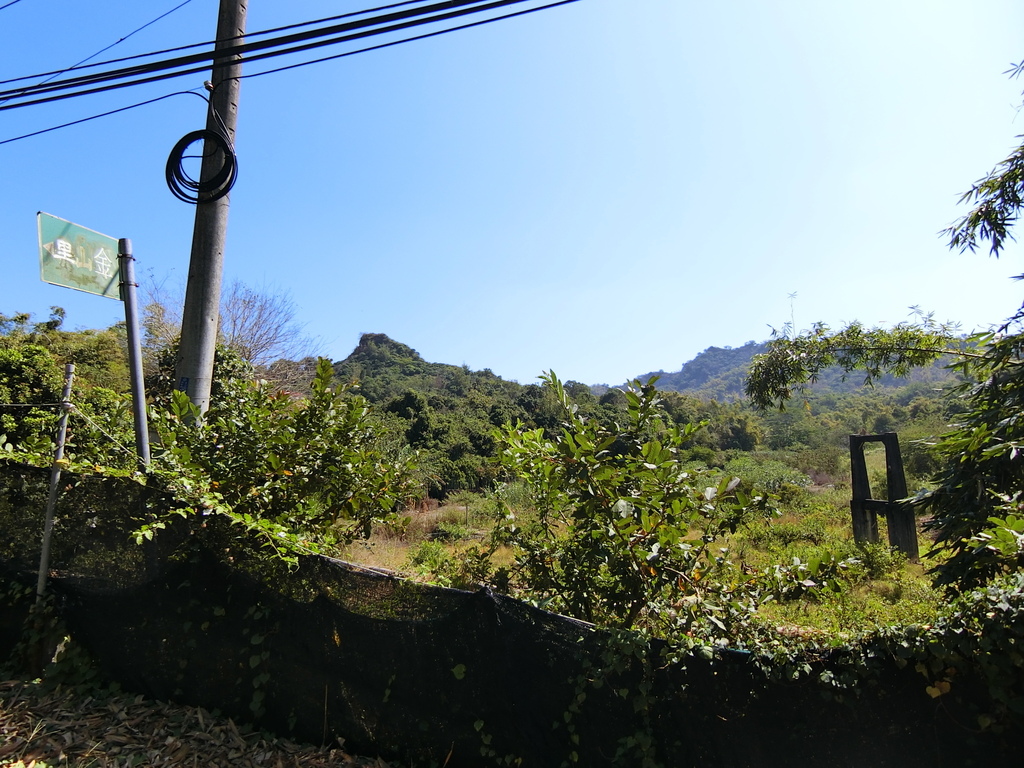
{"x":793,"y":362}
{"x":997,"y":199}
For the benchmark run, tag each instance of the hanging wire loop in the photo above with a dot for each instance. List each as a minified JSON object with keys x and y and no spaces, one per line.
{"x":190,"y":190}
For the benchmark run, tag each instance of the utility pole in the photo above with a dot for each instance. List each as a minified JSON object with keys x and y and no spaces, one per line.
{"x":193,"y":371}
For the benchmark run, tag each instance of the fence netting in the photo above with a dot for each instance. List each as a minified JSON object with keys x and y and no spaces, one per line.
{"x":425,"y":676}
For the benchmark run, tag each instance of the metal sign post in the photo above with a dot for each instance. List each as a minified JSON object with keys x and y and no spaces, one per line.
{"x":131,"y":316}
{"x":75,"y":257}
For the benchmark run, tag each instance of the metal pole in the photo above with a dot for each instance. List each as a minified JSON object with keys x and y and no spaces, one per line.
{"x":131,"y":316}
{"x":194,"y":365}
{"x":51,"y":502}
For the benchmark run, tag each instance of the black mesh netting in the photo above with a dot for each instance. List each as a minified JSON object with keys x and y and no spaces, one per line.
{"x":429,"y":676}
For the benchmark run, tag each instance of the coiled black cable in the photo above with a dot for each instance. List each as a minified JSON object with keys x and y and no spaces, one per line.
{"x":195,"y":191}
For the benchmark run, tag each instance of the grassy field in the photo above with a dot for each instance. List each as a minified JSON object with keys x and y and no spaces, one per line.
{"x":856,"y":587}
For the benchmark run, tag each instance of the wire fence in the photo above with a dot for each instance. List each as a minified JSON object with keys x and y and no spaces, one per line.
{"x":82,"y":414}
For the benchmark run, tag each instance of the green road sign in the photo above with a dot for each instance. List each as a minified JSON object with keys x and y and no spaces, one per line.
{"x":78,"y":258}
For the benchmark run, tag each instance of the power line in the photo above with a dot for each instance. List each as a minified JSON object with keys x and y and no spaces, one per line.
{"x":295,"y":66}
{"x":410,"y":39}
{"x":244,"y":48}
{"x":248,"y":36}
{"x":195,"y":92}
{"x":299,"y":42}
{"x":133,"y":32}
{"x":52,"y":75}
{"x":8,"y":5}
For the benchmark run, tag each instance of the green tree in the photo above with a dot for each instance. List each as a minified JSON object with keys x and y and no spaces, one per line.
{"x":790,"y":362}
{"x":100,"y":356}
{"x":32,"y":360}
{"x":29,"y":376}
{"x":980,"y":480}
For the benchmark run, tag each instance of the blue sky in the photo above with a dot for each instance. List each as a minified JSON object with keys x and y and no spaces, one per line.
{"x":602,"y":189}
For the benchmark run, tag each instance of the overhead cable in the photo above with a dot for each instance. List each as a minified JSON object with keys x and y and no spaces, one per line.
{"x":194,"y":92}
{"x":48,"y":76}
{"x":245,"y":46}
{"x":408,"y":39}
{"x":247,"y":36}
{"x":306,"y":41}
{"x":295,"y":66}
{"x":118,"y":42}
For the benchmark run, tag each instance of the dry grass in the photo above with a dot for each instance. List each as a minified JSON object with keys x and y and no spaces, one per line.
{"x":389,"y":548}
{"x":391,"y":554}
{"x":43,"y":728}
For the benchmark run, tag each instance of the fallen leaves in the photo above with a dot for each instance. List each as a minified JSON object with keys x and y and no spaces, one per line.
{"x":42,"y":728}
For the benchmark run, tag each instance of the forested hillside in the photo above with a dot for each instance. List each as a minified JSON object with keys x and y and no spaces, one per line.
{"x":448,"y":413}
{"x":716,"y":373}
{"x":719,"y":373}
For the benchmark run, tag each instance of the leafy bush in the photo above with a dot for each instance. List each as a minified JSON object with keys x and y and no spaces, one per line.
{"x":765,"y":474}
{"x":817,"y":575}
{"x":982,"y":473}
{"x":782,"y":533}
{"x":919,"y":459}
{"x":448,"y":531}
{"x":29,"y":375}
{"x":1000,"y":547}
{"x":879,"y":561}
{"x":429,"y":557}
{"x":619,"y":532}
{"x":831,"y":506}
{"x":462,"y":569}
{"x":293,"y":471}
{"x":514,"y":494}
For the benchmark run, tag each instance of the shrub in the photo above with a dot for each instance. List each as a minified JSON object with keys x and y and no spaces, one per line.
{"x":879,"y":561}
{"x":463,"y":569}
{"x":293,"y":472}
{"x":620,"y":533}
{"x":765,"y":474}
{"x":782,"y":533}
{"x":429,"y":557}
{"x":447,"y":531}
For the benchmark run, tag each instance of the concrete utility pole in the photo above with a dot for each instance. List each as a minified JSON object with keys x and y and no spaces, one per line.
{"x":194,"y":366}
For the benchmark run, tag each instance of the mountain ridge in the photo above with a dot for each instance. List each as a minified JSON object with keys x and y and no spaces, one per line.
{"x":716,"y":373}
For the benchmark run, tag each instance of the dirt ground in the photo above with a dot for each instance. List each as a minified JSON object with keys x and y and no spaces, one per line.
{"x":46,"y":728}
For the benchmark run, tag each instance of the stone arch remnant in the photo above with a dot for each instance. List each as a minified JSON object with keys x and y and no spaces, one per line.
{"x":899,"y":516}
